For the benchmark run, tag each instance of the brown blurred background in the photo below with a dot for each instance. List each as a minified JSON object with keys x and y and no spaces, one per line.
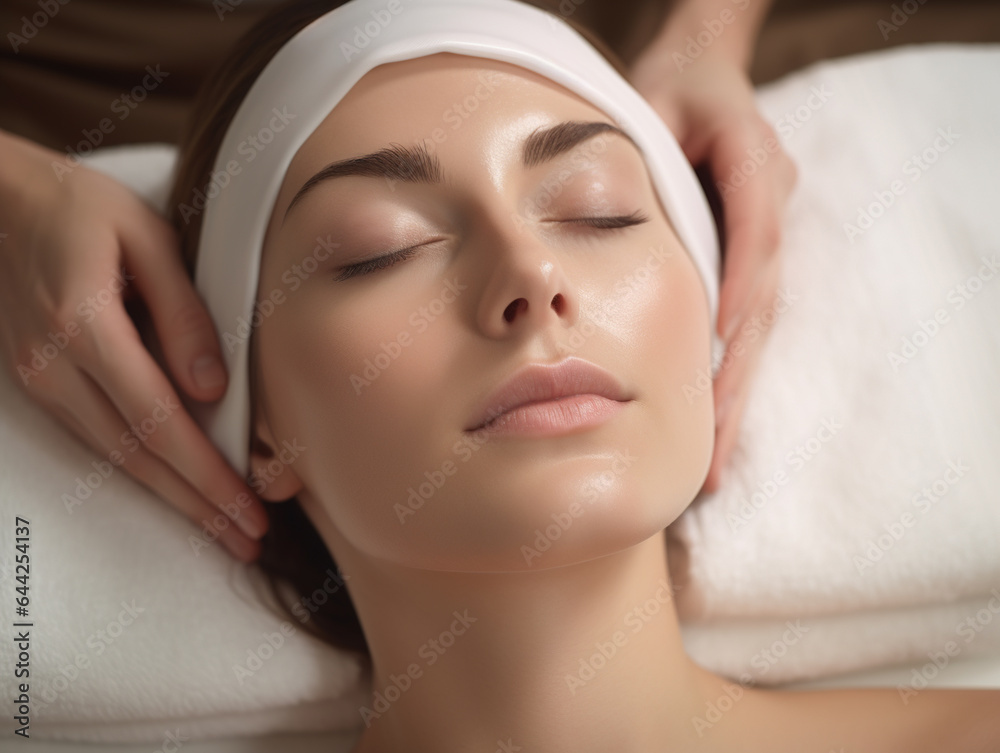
{"x":68,"y":76}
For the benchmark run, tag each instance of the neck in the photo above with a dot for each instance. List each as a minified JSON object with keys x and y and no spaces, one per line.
{"x":579,"y":658}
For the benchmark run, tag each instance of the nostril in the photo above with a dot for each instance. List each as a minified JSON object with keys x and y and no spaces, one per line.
{"x":511,"y":311}
{"x":557,"y":303}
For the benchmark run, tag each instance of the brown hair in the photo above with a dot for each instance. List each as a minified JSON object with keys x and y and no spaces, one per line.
{"x":294,"y":556}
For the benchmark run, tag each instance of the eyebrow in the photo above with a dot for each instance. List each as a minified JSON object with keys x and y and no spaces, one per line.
{"x":417,"y":165}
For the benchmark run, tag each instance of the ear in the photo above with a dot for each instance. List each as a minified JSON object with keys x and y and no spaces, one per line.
{"x":272,"y":474}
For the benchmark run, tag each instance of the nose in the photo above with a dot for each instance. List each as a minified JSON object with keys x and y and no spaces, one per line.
{"x":526,"y":288}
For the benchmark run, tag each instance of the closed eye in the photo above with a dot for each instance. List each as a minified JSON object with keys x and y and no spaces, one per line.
{"x":611,"y":223}
{"x":380,"y":262}
{"x":387,"y":260}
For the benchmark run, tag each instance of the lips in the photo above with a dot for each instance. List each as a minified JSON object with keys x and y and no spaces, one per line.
{"x":538,"y":383}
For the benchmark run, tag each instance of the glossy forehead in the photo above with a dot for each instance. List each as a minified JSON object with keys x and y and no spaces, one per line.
{"x":427,"y":84}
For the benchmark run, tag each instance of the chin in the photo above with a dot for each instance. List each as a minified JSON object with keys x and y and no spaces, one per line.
{"x":569,"y":510}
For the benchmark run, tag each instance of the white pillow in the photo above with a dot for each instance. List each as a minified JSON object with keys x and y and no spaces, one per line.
{"x":879,"y":382}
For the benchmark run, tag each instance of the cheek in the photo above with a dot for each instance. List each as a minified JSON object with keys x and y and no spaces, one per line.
{"x":660,"y":303}
{"x":677,"y":320}
{"x":678,"y":363}
{"x":344,"y":380}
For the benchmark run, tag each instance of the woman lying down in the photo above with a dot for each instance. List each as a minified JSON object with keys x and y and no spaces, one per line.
{"x":470,"y":319}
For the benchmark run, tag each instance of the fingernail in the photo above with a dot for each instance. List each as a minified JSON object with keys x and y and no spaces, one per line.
{"x":208,"y":372}
{"x":250,"y":525}
{"x":239,"y":547}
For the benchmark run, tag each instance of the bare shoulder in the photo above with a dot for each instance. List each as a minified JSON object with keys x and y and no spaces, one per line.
{"x":861,"y":720}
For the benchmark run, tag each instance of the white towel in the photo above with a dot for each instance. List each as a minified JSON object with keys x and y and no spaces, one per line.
{"x":863,"y":399}
{"x":780,"y":598}
{"x":133,"y":634}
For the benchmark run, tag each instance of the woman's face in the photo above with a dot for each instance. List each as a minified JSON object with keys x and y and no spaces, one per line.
{"x":379,"y":371}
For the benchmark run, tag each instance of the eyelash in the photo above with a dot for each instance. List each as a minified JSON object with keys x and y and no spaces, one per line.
{"x":616,"y":222}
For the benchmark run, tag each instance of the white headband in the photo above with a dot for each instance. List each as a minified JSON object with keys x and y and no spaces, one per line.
{"x":316,"y":69}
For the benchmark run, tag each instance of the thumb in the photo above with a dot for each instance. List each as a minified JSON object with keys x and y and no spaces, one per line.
{"x":183,"y":325}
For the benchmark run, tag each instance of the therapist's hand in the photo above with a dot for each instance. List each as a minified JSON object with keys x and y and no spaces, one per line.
{"x":709,"y":106}
{"x":71,"y":254}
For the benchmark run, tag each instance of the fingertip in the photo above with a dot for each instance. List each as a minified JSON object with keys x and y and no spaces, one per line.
{"x":262,"y":522}
{"x":242,"y":548}
{"x":711,"y":480}
{"x":254,"y":521}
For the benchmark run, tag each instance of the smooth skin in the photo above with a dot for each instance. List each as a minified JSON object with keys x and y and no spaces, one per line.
{"x":64,"y":240}
{"x":474,"y":644}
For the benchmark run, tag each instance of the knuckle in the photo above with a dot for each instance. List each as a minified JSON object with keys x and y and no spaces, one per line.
{"x":22,"y":356}
{"x":216,"y":488}
{"x":75,"y":322}
{"x":62,"y":319}
{"x":39,"y":387}
{"x":142,"y":466}
{"x":189,"y":319}
{"x":32,"y":369}
{"x":158,"y":441}
{"x":86,"y":348}
{"x":139,"y":465}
